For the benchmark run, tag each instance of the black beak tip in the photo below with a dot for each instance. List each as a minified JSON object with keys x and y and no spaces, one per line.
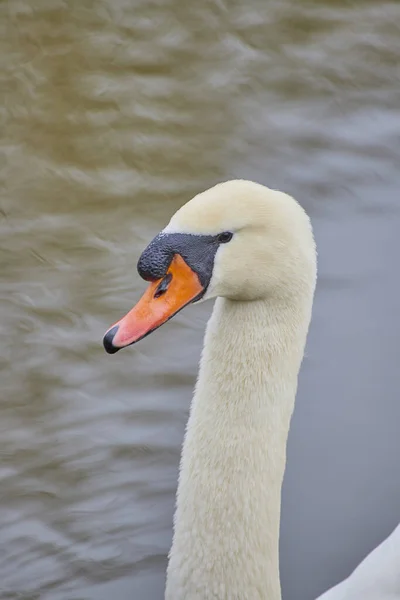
{"x":108,"y":341}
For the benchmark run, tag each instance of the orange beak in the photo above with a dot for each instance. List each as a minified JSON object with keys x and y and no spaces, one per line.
{"x":161,"y":301}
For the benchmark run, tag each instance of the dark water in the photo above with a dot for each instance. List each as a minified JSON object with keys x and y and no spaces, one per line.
{"x":114,"y":113}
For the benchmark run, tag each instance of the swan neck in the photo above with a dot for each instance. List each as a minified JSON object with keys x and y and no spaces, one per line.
{"x":226,"y":534}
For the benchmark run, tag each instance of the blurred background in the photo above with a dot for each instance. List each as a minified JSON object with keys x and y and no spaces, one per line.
{"x":114,"y":113}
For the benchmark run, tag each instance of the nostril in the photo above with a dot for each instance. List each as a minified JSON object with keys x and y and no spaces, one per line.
{"x":108,"y":340}
{"x":162,"y":288}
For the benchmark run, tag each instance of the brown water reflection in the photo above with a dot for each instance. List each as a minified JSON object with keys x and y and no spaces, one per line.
{"x":114,"y":113}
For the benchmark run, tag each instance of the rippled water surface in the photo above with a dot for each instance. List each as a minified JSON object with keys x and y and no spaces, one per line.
{"x":114,"y":113}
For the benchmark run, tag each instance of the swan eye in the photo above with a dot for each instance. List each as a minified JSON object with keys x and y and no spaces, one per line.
{"x":225,"y":237}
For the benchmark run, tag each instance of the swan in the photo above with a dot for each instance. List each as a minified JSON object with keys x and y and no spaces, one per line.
{"x":252,"y":249}
{"x":377,"y":577}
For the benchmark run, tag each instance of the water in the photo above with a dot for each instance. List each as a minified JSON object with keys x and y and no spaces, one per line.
{"x":115,"y":113}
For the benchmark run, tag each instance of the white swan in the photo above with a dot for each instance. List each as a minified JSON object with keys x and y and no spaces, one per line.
{"x":376,"y":578}
{"x":252,"y":248}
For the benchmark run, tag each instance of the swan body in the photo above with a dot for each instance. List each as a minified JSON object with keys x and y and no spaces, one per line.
{"x":376,"y":578}
{"x":251,"y":248}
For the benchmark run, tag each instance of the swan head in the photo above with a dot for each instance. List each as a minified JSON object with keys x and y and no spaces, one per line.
{"x":239,"y":240}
